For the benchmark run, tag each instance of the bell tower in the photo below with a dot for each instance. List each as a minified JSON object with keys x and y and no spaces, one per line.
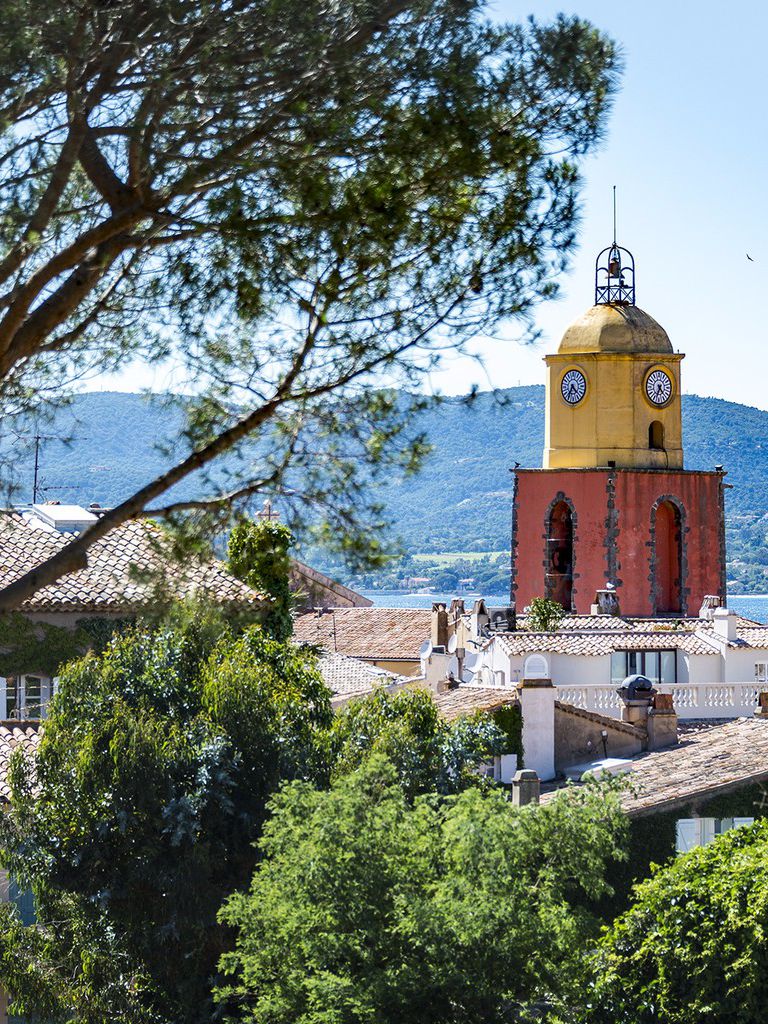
{"x":613,"y":506}
{"x":613,"y":386}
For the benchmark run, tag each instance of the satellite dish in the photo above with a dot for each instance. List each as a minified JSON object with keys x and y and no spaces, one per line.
{"x":426,"y":649}
{"x":453,"y":643}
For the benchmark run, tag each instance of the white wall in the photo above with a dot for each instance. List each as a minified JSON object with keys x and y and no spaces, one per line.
{"x":538,"y":708}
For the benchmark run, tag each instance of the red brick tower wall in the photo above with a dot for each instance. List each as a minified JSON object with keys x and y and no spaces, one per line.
{"x":657,"y":535}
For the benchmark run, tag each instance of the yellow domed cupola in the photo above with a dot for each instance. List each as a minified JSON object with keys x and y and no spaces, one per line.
{"x":613,"y":387}
{"x":605,"y":328}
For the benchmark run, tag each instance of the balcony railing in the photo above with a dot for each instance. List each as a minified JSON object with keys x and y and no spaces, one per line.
{"x":691,"y":700}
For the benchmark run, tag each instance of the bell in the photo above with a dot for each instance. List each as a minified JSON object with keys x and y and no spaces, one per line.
{"x":614,"y":267}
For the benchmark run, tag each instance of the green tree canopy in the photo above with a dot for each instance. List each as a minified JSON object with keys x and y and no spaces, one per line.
{"x":367,"y":907}
{"x":257,"y":553}
{"x":292,"y":202}
{"x":428,"y":753}
{"x":151,"y":784}
{"x":692,"y":947}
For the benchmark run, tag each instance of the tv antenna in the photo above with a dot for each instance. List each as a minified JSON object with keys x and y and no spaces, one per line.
{"x":37,"y":439}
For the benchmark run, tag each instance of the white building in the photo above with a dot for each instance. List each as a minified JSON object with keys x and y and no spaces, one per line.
{"x":714,"y":666}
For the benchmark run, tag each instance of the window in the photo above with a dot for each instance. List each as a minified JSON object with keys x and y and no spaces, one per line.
{"x":692,"y":832}
{"x":26,"y":697}
{"x":761,"y":671}
{"x":10,"y":892}
{"x":667,"y":554}
{"x":658,"y":666}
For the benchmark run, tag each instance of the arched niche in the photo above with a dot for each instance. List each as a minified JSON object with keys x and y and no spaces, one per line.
{"x":668,"y":557}
{"x":536,"y":667}
{"x":656,"y":436}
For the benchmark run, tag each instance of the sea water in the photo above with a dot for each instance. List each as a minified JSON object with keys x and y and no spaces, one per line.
{"x":751,"y":606}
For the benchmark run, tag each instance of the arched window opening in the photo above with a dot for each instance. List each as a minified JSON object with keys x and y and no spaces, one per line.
{"x":656,"y":435}
{"x":560,"y":555}
{"x":668,"y":558}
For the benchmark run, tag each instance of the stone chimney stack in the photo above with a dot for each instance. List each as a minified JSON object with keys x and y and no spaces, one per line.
{"x":439,"y":633}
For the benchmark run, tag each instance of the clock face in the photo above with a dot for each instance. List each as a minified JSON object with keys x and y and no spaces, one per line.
{"x":658,"y":387}
{"x":573,"y":386}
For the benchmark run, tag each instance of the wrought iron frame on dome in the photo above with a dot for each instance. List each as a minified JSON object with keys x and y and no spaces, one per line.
{"x":615,"y":269}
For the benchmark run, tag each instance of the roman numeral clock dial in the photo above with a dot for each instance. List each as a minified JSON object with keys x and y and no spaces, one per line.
{"x":658,"y":387}
{"x":573,"y":386}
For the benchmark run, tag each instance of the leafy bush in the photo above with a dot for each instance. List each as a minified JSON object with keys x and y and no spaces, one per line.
{"x":428,"y":753}
{"x":366,"y":907}
{"x":544,"y":615}
{"x":692,"y":948}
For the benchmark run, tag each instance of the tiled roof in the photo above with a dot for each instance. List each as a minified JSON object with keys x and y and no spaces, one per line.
{"x":590,"y":643}
{"x":111,"y":581}
{"x":466,"y":700}
{"x":704,"y":763}
{"x":315,"y":589}
{"x":581,"y":622}
{"x":374,"y":634}
{"x":602,"y":623}
{"x":344,"y":675}
{"x":751,"y":636}
{"x":12,"y":736}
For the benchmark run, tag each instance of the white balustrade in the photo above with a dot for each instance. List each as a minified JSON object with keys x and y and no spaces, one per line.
{"x":691,"y":700}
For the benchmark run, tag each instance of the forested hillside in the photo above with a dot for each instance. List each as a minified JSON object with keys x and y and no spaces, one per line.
{"x":460,"y":502}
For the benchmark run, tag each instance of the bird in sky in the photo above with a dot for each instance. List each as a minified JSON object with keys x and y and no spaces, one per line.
{"x":750,"y":258}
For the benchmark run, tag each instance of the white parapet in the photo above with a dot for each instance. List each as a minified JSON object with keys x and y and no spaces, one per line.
{"x":690,"y":700}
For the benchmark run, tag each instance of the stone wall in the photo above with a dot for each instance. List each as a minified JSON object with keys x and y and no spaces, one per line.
{"x":578,"y":737}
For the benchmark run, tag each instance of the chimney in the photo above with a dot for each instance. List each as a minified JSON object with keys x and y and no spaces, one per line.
{"x":525,"y":788}
{"x":479,"y":618}
{"x":437,"y":675}
{"x":709,"y":605}
{"x":606,"y":602}
{"x":661,"y":724}
{"x":724,"y":622}
{"x":439,"y":631}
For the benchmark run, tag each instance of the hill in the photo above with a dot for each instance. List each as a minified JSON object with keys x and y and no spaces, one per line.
{"x":460,"y":502}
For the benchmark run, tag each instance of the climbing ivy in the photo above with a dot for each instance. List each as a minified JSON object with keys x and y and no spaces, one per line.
{"x":27,"y":646}
{"x":510,"y":720}
{"x":258,"y":555}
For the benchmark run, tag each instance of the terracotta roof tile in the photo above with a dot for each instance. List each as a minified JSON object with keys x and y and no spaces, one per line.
{"x":466,"y":700}
{"x":15,"y":735}
{"x":714,"y":759}
{"x":375,"y":634}
{"x":704,"y":763}
{"x":110,"y":582}
{"x":591,"y":643}
{"x":344,"y":675}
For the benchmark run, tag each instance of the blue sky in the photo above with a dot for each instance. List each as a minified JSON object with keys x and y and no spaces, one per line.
{"x":687,"y":148}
